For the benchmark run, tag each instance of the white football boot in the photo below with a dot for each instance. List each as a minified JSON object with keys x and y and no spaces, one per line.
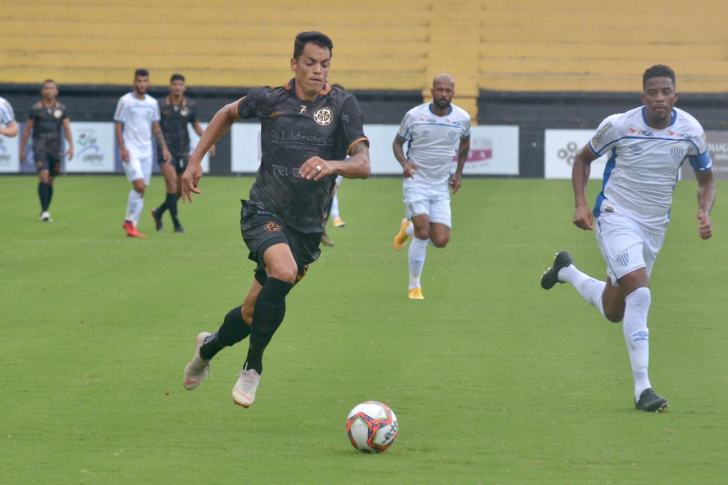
{"x":198,"y":368}
{"x":244,"y":390}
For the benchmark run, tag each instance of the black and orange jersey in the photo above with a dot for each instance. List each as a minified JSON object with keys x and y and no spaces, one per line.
{"x":174,"y":120}
{"x":292,"y":131}
{"x":47,"y":123}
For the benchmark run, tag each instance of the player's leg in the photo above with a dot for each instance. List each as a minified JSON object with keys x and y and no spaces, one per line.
{"x":170,"y":182}
{"x":268,"y":313}
{"x":179,"y":171}
{"x":235,"y":327}
{"x":55,"y":169}
{"x":418,"y":251}
{"x":440,"y":220}
{"x":43,"y":190}
{"x":135,"y":200}
{"x":594,"y":291}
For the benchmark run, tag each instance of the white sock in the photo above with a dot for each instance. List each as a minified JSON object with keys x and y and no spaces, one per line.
{"x":589,"y":288}
{"x":637,"y":336}
{"x":335,"y":207}
{"x":410,"y":231}
{"x":417,"y":253}
{"x":134,"y":206}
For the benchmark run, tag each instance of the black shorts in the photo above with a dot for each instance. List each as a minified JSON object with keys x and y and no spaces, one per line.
{"x":47,"y":161}
{"x":262,"y":229}
{"x":179,"y":163}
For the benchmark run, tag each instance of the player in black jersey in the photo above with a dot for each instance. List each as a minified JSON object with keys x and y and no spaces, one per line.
{"x":177,"y":110}
{"x":45,"y":120}
{"x":308,"y":128}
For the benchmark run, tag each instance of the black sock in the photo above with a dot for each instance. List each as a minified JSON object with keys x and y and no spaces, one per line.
{"x":50,"y":195}
{"x":172,"y":204}
{"x":270,"y":308}
{"x":43,"y":194}
{"x":162,"y":207}
{"x":233,"y":330}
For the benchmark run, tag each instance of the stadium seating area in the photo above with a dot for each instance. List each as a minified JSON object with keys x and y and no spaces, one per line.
{"x":519,"y":45}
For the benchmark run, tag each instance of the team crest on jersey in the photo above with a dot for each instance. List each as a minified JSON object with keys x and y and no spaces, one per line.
{"x":273,"y":226}
{"x":184,"y":111}
{"x":58,"y":113}
{"x":677,"y":153}
{"x":324,"y":116}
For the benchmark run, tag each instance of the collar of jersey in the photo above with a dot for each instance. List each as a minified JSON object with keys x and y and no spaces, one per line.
{"x":431,"y":111}
{"x":674,"y":119}
{"x":291,"y":85}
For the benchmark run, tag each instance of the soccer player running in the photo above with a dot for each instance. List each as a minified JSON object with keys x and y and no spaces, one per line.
{"x":646,"y":148}
{"x":308,"y":128}
{"x":8,"y":125}
{"x":435,"y":131}
{"x":177,"y":110}
{"x":137,"y":117}
{"x":45,"y":120}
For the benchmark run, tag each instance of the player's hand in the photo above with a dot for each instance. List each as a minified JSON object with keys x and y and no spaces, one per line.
{"x":125,"y":155}
{"x":212,"y":151}
{"x":22,"y":155}
{"x":705,"y":225}
{"x":69,"y":154}
{"x":167,"y":156}
{"x":584,"y":218}
{"x":190,"y":179}
{"x":315,"y":168}
{"x":409,"y":169}
{"x":456,"y":180}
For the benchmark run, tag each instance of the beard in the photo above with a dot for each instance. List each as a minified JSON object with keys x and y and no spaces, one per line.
{"x":442,"y":103}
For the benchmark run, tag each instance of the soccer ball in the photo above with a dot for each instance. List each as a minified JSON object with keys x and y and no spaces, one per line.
{"x":372,"y":427}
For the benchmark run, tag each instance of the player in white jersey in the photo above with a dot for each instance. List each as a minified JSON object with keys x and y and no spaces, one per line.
{"x":8,"y":125}
{"x":137,"y":118}
{"x":646,"y":147}
{"x":436,"y":133}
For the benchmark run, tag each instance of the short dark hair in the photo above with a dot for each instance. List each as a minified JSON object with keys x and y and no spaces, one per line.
{"x":47,"y":81}
{"x":658,"y":71}
{"x":141,"y":72}
{"x":176,"y":77}
{"x":312,"y":37}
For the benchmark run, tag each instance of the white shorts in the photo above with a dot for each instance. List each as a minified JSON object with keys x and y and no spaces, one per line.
{"x":435,"y":202}
{"x":138,"y":167}
{"x":626,"y":246}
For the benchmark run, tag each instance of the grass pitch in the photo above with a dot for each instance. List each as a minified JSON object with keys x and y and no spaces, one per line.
{"x":493,"y":379}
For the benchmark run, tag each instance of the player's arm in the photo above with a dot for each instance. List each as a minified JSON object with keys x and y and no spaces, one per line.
{"x":69,"y":138}
{"x":198,"y":129}
{"x":24,"y":138}
{"x":357,"y":166}
{"x":408,"y":168}
{"x":706,"y":198}
{"x":456,"y":180}
{"x":10,"y":130}
{"x":120,"y":140}
{"x":157,"y":132}
{"x":583,"y":216}
{"x":220,"y":124}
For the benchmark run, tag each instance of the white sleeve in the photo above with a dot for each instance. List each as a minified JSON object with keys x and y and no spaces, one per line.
{"x":120,"y":114}
{"x":157,"y":116}
{"x":606,"y":135}
{"x":698,"y":152}
{"x":7,"y":115}
{"x":466,"y":127}
{"x":405,"y":126}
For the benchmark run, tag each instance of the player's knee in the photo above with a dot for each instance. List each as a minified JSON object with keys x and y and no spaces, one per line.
{"x":422,"y":233}
{"x":287,"y":273}
{"x":247,"y":312}
{"x":614,"y":316}
{"x":440,"y":242}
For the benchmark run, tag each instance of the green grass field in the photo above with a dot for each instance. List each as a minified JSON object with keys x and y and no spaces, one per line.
{"x":493,"y":380}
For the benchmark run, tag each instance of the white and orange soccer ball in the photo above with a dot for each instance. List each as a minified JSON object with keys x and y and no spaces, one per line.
{"x":372,"y":427}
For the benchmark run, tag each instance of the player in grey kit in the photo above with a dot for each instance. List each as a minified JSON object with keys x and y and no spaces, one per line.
{"x":308,"y":128}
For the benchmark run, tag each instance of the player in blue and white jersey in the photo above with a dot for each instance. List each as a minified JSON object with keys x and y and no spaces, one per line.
{"x":8,"y":125}
{"x":137,"y":118}
{"x":646,"y":147}
{"x":436,"y":132}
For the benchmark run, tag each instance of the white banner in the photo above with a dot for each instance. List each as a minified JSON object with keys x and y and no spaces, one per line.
{"x":560,"y":148}
{"x":94,"y":146}
{"x":493,"y":149}
{"x":9,"y":154}
{"x":194,"y":140}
